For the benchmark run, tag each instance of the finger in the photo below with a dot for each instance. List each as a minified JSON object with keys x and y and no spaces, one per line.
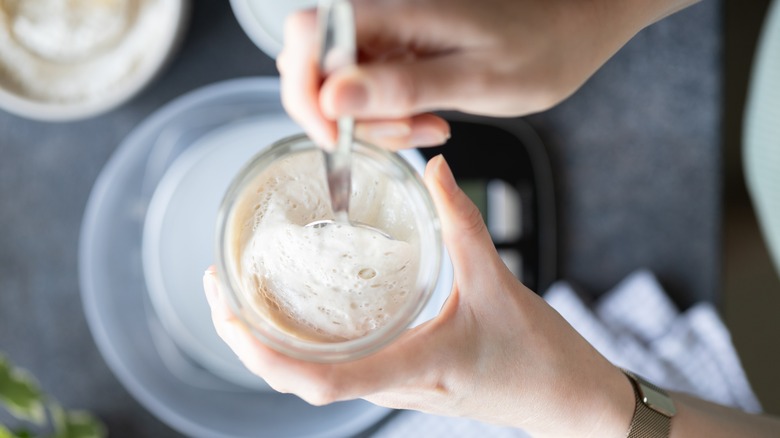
{"x":408,"y":362}
{"x":418,"y":131}
{"x":318,"y":383}
{"x":414,"y":40}
{"x":395,"y":89}
{"x":300,"y":78}
{"x":464,"y":232}
{"x":225,"y":322}
{"x":219,"y":310}
{"x":257,"y":358}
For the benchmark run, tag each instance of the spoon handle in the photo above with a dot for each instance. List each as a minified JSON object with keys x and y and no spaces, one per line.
{"x":338,"y":49}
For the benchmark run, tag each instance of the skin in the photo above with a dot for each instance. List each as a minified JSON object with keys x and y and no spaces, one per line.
{"x":496,"y":349}
{"x":494,"y":57}
{"x":497,"y":352}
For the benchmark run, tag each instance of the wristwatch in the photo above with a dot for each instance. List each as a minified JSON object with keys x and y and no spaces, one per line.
{"x":654,"y":409}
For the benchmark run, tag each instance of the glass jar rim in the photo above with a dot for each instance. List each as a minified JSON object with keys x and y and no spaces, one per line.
{"x":430,"y":250}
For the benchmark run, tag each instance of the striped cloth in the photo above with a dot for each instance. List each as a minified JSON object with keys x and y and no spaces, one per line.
{"x":761,"y":142}
{"x":636,"y":326}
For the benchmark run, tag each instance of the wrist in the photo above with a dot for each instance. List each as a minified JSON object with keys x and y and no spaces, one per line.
{"x":618,"y":402}
{"x":600,"y":404}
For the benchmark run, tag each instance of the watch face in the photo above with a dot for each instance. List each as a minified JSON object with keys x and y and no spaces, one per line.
{"x":658,"y":402}
{"x":655,"y":398}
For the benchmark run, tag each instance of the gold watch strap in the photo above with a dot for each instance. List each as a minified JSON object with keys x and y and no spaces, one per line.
{"x":653,"y":412}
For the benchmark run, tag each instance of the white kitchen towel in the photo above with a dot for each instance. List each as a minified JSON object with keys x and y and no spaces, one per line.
{"x":636,"y":326}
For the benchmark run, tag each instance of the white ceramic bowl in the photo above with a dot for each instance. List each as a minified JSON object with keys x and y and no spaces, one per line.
{"x":170,"y":21}
{"x":263,"y":20}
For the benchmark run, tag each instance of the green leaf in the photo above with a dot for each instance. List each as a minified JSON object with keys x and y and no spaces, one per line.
{"x":23,"y":433}
{"x":5,"y":433}
{"x":58,"y":418}
{"x":19,"y":393}
{"x":81,"y":424}
{"x":75,"y":424}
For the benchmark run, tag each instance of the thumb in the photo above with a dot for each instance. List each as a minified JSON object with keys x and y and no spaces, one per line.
{"x":465,"y":234}
{"x":394,"y":89}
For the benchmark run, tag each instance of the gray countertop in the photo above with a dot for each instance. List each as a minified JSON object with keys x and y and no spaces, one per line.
{"x":636,"y":155}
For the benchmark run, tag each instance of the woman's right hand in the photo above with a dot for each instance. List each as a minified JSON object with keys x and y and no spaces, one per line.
{"x":489,"y":57}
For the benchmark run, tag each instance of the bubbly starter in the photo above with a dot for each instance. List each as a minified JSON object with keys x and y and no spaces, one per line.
{"x":325,"y":284}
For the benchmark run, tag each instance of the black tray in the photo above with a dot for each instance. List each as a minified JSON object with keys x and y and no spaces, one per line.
{"x":483,"y":151}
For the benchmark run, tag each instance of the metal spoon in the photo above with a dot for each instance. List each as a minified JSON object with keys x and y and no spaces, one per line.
{"x":336,"y":23}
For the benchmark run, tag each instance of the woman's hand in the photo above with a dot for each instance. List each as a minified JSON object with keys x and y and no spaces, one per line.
{"x":497,"y":351}
{"x":488,"y":57}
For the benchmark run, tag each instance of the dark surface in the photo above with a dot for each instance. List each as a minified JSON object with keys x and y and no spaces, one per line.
{"x":524,"y":165}
{"x":636,"y":161}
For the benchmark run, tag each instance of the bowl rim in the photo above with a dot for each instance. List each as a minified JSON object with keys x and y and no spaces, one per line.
{"x":258,"y":34}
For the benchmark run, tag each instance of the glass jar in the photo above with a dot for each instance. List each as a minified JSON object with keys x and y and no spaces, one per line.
{"x":334,"y":293}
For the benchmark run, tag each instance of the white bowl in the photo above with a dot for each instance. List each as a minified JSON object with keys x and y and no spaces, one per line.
{"x":160,"y":370}
{"x":162,"y":40}
{"x":263,"y":20}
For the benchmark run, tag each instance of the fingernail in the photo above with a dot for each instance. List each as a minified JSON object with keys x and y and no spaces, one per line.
{"x":446,"y":178}
{"x":429,"y":138}
{"x":210,"y":286}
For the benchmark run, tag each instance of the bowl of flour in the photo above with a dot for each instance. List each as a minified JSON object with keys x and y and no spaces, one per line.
{"x":75,"y":59}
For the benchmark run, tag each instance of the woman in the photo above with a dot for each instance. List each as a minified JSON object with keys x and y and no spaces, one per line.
{"x":497,"y":352}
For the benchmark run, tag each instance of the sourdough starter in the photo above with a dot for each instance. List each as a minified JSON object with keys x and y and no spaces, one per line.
{"x":327,"y":284}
